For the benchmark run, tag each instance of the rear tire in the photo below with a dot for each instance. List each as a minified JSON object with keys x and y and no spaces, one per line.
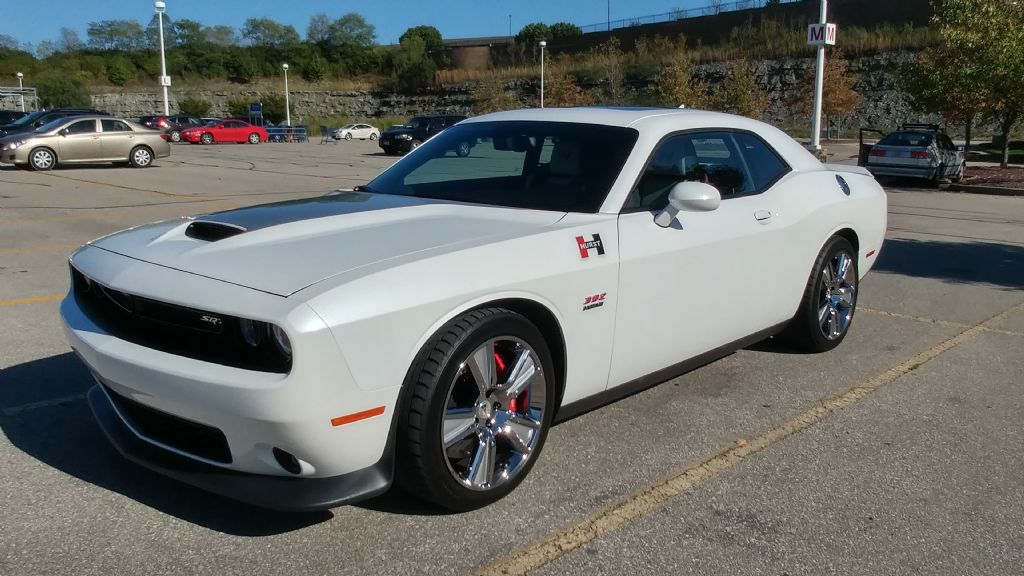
{"x":476,"y":409}
{"x":175,"y":136}
{"x":936,"y":179}
{"x":959,"y":173}
{"x":141,"y":157}
{"x":829,"y":301}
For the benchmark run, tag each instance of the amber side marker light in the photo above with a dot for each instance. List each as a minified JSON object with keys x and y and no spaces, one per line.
{"x":357,"y":416}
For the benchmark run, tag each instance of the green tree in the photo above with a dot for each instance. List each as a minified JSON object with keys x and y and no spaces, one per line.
{"x":194,"y":106}
{"x":315,"y":69}
{"x":152,"y":33}
{"x":242,"y":67}
{"x":120,"y":70}
{"x":57,"y":88}
{"x":838,"y":97}
{"x":116,"y":35}
{"x":529,"y":36}
{"x":413,"y":69}
{"x":740,"y":93}
{"x":979,"y":50}
{"x":269,"y":33}
{"x":560,"y":30}
{"x":431,"y":37}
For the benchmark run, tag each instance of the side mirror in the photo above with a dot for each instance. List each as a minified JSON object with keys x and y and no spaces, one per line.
{"x":688,"y":197}
{"x":64,"y":132}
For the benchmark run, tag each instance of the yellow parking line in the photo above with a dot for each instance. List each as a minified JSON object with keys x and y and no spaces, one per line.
{"x":47,"y":248}
{"x":617,"y":515}
{"x":32,"y":300}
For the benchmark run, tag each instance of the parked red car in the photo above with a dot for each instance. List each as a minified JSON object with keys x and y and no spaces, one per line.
{"x":226,"y":131}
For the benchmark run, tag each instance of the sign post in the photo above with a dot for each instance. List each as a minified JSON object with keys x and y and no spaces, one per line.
{"x":819,"y":35}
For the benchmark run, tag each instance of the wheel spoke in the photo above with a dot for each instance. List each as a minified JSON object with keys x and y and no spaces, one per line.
{"x":481,"y":366}
{"x":481,"y":471}
{"x":826,"y":276}
{"x":459,"y":424}
{"x":511,"y":433}
{"x":526,"y":421}
{"x":842,"y":268}
{"x":823,"y":314}
{"x":524,"y":370}
{"x":833,"y":323}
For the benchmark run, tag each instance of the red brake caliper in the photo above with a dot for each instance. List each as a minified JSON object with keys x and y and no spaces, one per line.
{"x":522,"y":399}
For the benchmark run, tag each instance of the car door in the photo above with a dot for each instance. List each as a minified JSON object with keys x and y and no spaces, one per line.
{"x":710,"y":278}
{"x":116,"y":139}
{"x":80,"y":141}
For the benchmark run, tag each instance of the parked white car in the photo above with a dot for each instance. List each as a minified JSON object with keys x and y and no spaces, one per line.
{"x":359,"y":131}
{"x":431,"y":325}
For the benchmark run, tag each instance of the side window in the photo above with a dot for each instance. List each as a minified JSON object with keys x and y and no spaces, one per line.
{"x":82,"y":127}
{"x":709,"y":157}
{"x":114,"y":126}
{"x":436,"y":124}
{"x":763,"y":163}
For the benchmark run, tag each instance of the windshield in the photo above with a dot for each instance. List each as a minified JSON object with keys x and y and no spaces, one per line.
{"x":559,"y":166}
{"x":25,"y":120}
{"x":915,"y":139}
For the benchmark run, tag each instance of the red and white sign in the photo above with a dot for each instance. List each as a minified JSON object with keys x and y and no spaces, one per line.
{"x":821,"y":34}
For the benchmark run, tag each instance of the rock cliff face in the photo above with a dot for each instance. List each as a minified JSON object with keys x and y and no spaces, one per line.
{"x":884,"y":104}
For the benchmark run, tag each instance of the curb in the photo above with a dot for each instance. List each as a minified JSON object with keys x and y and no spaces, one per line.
{"x":991,"y":190}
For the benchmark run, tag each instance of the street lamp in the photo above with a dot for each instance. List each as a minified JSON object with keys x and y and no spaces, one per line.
{"x":542,"y":45}
{"x":287,"y":107}
{"x":21,"y":95}
{"x":165,"y":80}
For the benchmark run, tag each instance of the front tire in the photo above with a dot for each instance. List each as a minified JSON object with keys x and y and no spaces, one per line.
{"x":476,"y":410}
{"x":348,"y":135}
{"x":42,"y":159}
{"x":141,"y":157}
{"x":206,"y":138}
{"x":254,"y":138}
{"x":373,"y":136}
{"x":829,"y":300}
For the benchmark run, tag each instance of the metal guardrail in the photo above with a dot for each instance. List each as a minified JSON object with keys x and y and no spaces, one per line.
{"x":710,"y":9}
{"x":288,"y":133}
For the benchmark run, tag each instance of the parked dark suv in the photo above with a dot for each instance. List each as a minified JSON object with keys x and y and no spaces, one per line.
{"x":401,"y":139}
{"x":172,"y":125}
{"x":38,"y":118}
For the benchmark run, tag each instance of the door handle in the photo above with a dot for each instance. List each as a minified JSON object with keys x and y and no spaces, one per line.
{"x":763,"y":216}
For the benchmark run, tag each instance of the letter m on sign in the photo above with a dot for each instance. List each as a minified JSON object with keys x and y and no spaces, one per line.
{"x":821,"y":34}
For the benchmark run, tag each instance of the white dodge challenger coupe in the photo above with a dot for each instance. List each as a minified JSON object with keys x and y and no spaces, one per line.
{"x":427,"y":328}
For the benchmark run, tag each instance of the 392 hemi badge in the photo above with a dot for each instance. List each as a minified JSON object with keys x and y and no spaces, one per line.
{"x":586,"y":246}
{"x":595,"y":301}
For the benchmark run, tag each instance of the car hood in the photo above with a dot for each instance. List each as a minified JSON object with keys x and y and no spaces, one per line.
{"x":284,"y":247}
{"x":397,"y":131}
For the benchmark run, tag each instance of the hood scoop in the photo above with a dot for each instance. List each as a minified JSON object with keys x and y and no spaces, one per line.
{"x":212,"y":231}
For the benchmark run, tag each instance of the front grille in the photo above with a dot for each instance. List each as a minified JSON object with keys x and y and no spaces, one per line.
{"x":185,"y":435}
{"x":174,"y":329}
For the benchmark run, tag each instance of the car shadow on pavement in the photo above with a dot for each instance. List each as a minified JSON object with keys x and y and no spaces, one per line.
{"x":956,"y":262}
{"x":43,"y":412}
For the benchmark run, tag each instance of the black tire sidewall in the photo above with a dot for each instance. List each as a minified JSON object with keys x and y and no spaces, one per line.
{"x":444,"y":490}
{"x":809,"y":332}
{"x":32,"y":161}
{"x":206,"y":138}
{"x":131,"y":157}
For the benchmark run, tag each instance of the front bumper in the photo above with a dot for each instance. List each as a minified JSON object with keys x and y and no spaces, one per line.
{"x":395,"y":144}
{"x":252,"y":413}
{"x":277,"y":492}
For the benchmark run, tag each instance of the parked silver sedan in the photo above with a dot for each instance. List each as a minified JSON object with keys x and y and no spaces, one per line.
{"x":917,"y":151}
{"x":85,"y":139}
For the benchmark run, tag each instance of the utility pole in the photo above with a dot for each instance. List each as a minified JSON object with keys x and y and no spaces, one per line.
{"x":819,"y":78}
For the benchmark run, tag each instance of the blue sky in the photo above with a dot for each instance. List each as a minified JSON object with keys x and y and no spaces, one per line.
{"x":38,"y":20}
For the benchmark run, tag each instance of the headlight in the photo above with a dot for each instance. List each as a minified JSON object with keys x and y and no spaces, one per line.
{"x":284,"y":346}
{"x":15,"y":145}
{"x":404,"y":137}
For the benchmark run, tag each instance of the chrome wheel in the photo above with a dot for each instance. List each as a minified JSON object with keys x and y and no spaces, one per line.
{"x":254,"y":138}
{"x":42,"y":159}
{"x":837,"y":295}
{"x":493,"y":413}
{"x":175,"y":136}
{"x":206,"y":138}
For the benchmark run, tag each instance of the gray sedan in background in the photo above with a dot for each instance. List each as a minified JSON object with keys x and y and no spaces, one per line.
{"x":915,"y":151}
{"x":85,"y":139}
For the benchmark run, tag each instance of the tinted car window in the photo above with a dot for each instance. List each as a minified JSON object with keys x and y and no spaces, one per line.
{"x":916,"y":139}
{"x":82,"y":127}
{"x":114,"y":126}
{"x":505,"y":168}
{"x":764,"y":164}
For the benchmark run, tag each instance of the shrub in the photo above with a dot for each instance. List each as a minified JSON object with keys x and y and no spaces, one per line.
{"x":56,"y":88}
{"x":120,"y":71}
{"x":195,"y":106}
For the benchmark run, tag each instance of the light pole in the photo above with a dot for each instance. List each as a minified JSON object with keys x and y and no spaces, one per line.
{"x":21,"y":95}
{"x":609,"y":15}
{"x":165,"y":80}
{"x":543,"y":44}
{"x":287,"y":107}
{"x":819,"y":83}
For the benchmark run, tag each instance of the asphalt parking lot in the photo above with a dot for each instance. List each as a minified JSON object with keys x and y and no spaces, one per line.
{"x":897,"y":453}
